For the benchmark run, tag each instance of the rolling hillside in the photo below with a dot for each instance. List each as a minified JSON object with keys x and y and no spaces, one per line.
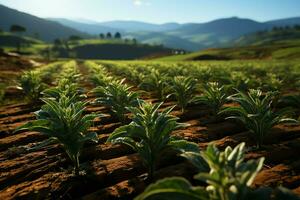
{"x":275,"y":44}
{"x":46,"y":30}
{"x":283,"y":35}
{"x":190,"y":36}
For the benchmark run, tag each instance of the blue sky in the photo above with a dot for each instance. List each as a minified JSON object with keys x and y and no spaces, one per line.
{"x":158,"y":11}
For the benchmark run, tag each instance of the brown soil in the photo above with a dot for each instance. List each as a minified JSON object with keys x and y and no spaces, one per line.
{"x":115,"y":171}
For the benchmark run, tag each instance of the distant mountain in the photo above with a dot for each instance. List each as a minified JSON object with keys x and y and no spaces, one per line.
{"x":90,"y":28}
{"x":217,"y":33}
{"x":285,"y":22}
{"x":189,"y":36}
{"x":163,"y":38}
{"x":133,"y":26}
{"x":230,"y":27}
{"x":115,"y":26}
{"x":44,"y":29}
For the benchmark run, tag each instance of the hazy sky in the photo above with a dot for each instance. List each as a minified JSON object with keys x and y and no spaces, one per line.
{"x":158,"y":11}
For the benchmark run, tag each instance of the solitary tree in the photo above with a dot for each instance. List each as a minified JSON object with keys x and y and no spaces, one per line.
{"x":275,"y":28}
{"x":102,"y":36}
{"x":57,"y":42}
{"x":108,"y":35}
{"x":134,"y":41}
{"x":118,"y":35}
{"x":18,"y":30}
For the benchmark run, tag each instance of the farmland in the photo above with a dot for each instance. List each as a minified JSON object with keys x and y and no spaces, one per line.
{"x":102,"y":132}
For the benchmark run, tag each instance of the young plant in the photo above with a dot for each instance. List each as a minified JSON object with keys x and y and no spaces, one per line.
{"x":271,"y":82}
{"x":101,"y":79}
{"x":214,"y":97}
{"x":117,"y":96}
{"x":149,"y":134}
{"x":256,"y":114}
{"x":241,"y":81}
{"x":32,"y":85}
{"x":228,"y":177}
{"x":183,"y":89}
{"x":63,"y":120}
{"x":156,"y":82}
{"x":65,"y":88}
{"x":135,"y":76}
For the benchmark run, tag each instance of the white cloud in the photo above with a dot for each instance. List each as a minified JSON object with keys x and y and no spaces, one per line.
{"x":141,"y":3}
{"x":137,"y":2}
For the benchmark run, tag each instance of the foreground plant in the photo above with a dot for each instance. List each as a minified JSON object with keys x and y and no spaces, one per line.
{"x":149,"y":134}
{"x":228,"y":177}
{"x":183,"y":89}
{"x":63,"y":121}
{"x":117,"y":96}
{"x":214,"y":96}
{"x":32,"y":86}
{"x":256,"y":114}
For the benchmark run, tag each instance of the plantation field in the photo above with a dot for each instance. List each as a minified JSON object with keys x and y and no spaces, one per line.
{"x":118,"y":142}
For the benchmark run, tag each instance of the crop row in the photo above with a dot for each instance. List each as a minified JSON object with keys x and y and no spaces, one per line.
{"x":147,"y":129}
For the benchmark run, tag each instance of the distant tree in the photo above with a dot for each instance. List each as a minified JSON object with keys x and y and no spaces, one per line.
{"x":134,"y":41}
{"x":275,"y":28}
{"x":102,"y":36}
{"x":57,"y":42}
{"x":108,"y":35}
{"x":17,"y":29}
{"x":118,"y":35}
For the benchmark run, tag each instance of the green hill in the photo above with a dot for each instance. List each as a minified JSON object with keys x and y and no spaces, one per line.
{"x":280,"y":35}
{"x":44,"y":29}
{"x":281,"y":43}
{"x":10,"y":40}
{"x":27,"y":45}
